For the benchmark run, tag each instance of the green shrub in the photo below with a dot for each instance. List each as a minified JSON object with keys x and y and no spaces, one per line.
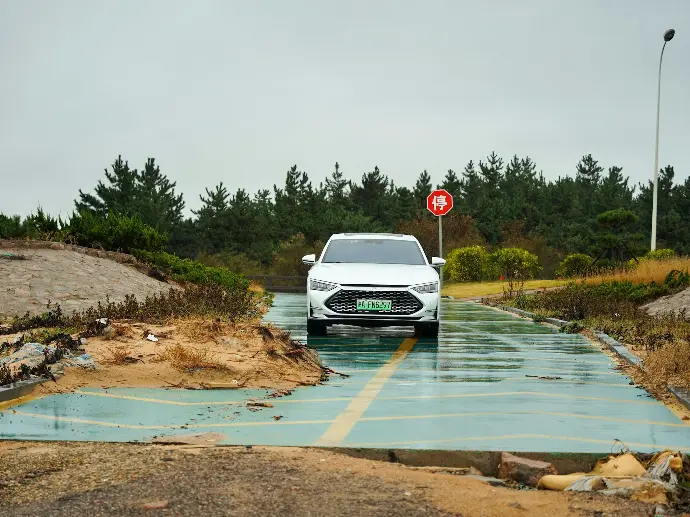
{"x":235,"y":262}
{"x":192,"y":271}
{"x":114,"y":232}
{"x":676,"y":279}
{"x":11,"y":227}
{"x":469,"y":264}
{"x":573,"y":265}
{"x":515,"y":265}
{"x":287,"y":260}
{"x":660,"y":254}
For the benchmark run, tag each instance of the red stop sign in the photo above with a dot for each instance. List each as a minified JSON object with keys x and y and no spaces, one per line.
{"x":439,"y":202}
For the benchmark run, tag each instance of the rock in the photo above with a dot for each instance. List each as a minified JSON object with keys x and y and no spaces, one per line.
{"x":474,"y":472}
{"x":490,"y":481}
{"x":523,"y":470}
{"x":57,"y":246}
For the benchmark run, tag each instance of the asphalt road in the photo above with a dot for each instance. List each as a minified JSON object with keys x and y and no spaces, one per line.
{"x":490,"y":381}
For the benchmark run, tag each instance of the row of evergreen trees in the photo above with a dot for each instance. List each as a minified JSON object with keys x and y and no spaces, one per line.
{"x":501,"y":198}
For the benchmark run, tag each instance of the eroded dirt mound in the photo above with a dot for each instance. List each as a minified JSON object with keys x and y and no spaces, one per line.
{"x":677,"y":304}
{"x":30,"y":278}
{"x":192,"y":353}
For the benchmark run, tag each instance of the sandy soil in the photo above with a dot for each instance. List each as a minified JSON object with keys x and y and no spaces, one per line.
{"x":76,"y":479}
{"x":192,"y":354}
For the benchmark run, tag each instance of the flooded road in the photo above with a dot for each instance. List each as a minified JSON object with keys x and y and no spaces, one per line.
{"x":490,"y":381}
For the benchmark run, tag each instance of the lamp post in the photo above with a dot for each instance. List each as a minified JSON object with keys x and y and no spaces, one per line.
{"x":668,"y":36}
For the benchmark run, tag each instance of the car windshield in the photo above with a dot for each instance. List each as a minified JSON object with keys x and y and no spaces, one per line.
{"x":373,"y":251}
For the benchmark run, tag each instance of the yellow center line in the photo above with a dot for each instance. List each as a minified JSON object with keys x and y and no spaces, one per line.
{"x":396,"y":397}
{"x":103,"y":423}
{"x":524,"y":412}
{"x":343,"y":424}
{"x":346,"y":420}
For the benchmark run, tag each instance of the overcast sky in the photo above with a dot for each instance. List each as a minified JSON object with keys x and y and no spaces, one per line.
{"x":239,"y":91}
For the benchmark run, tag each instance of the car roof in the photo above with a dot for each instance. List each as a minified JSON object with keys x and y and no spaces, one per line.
{"x":391,"y":236}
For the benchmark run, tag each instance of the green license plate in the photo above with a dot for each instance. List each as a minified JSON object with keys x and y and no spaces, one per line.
{"x":374,"y":305}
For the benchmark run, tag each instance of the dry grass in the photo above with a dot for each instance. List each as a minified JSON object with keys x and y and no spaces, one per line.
{"x":646,"y":272}
{"x":669,"y":365}
{"x":199,"y":330}
{"x":186,"y":358}
{"x":119,"y":355}
{"x":478,"y":289}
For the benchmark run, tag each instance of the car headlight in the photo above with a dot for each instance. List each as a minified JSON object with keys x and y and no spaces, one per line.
{"x":426,"y":288}
{"x":319,"y":285}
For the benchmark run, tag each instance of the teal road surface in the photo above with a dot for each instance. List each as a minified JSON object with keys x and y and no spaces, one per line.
{"x":490,"y":381}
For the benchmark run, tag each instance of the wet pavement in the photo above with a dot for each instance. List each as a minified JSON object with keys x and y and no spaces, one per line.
{"x":491,"y":381}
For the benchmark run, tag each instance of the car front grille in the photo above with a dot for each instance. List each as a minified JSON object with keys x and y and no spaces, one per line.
{"x":345,"y":301}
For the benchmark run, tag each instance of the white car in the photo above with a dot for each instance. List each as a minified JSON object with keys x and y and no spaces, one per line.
{"x":373,"y":280}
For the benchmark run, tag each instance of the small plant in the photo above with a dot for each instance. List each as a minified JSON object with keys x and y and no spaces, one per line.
{"x":539,"y":318}
{"x":677,"y":279}
{"x":572,"y":328}
{"x":515,"y":266}
{"x":120,"y":355}
{"x":574,"y":265}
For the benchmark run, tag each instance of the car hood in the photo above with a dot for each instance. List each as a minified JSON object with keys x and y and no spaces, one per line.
{"x":374,"y":274}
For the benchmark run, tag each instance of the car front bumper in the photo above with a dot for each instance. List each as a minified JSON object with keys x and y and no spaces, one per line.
{"x":319,"y":311}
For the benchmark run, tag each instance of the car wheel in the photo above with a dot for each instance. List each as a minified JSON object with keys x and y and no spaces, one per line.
{"x":315,"y":328}
{"x":427,"y":330}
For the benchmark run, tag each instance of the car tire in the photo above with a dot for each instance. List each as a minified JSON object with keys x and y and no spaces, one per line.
{"x":427,"y":330}
{"x":316,"y":328}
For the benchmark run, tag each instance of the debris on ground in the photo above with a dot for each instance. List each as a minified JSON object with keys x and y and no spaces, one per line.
{"x":656,"y":483}
{"x":258,"y":404}
{"x":523,"y":470}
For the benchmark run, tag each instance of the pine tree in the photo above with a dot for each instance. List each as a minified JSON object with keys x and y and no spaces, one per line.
{"x":421,"y":191}
{"x":119,"y":195}
{"x":452,"y":184}
{"x":370,"y":197}
{"x":157,"y":204}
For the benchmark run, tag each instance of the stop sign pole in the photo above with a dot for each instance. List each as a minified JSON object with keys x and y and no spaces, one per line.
{"x":439,"y":203}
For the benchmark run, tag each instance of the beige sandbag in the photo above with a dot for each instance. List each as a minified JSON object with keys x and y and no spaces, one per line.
{"x":625,"y":465}
{"x":555,"y":482}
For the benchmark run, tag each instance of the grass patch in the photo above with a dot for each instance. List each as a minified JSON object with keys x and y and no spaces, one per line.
{"x":479,"y":289}
{"x":190,"y":358}
{"x":647,"y":271}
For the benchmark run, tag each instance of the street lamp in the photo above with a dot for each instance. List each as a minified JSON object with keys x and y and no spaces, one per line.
{"x":668,"y":36}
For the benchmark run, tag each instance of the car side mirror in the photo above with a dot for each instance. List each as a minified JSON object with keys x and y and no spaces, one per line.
{"x":309,"y":260}
{"x":437,"y":262}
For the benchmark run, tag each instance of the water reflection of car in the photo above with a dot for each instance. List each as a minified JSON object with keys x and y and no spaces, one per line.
{"x":373,"y":280}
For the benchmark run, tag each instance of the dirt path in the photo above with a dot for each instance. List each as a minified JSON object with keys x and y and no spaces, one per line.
{"x":77,"y":479}
{"x":74,"y":280}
